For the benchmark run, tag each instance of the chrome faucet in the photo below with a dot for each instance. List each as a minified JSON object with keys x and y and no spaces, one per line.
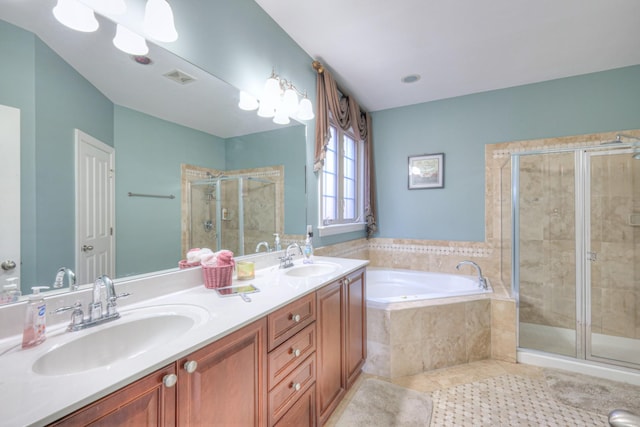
{"x":482,"y":281}
{"x":261,"y":244}
{"x":286,"y":261}
{"x":96,"y":315}
{"x":71,"y":278}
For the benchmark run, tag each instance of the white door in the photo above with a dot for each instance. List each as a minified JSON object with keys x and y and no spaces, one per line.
{"x":10,"y":181}
{"x":95,"y":210}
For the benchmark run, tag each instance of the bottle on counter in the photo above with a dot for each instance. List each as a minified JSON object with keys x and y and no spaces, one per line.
{"x":35,"y":322}
{"x":307,"y":251}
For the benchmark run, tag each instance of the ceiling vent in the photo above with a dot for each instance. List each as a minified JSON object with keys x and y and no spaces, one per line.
{"x":180,"y":77}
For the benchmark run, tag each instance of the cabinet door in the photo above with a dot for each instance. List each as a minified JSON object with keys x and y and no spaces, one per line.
{"x":356,"y":327}
{"x":228,"y":386}
{"x":146,"y":402}
{"x":331,"y":379}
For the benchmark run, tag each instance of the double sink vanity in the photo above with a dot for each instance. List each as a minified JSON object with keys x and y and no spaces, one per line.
{"x":180,"y":354}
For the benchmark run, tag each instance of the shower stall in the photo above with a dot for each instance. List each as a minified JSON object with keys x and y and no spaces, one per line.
{"x":231,"y":212}
{"x":576,"y":252}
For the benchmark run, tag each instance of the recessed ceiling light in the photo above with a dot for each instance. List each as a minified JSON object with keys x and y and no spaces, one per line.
{"x":411,"y":78}
{"x":142,"y":59}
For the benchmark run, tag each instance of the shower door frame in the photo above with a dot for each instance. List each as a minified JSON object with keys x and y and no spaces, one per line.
{"x":582,"y":156}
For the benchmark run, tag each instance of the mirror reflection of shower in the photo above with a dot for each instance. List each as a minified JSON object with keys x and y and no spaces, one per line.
{"x":231,"y":210}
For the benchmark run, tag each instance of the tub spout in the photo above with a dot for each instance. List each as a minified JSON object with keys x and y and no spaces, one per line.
{"x":482,"y":282}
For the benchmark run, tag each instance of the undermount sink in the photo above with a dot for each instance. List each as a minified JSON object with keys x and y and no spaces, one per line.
{"x":312,"y":270}
{"x":136,"y":332}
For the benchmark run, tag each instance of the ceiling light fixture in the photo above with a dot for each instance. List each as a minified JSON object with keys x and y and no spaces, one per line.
{"x":158,"y":21}
{"x":411,"y":78}
{"x":279,"y":100}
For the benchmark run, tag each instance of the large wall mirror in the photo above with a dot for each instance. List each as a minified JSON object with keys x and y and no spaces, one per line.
{"x":155,"y":118}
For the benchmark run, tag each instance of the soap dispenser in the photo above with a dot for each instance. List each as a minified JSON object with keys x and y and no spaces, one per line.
{"x":277,"y":245}
{"x":35,"y":322}
{"x":10,"y":291}
{"x":308,"y":247}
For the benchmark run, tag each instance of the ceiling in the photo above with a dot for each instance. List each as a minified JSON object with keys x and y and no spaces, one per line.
{"x":458,"y":47}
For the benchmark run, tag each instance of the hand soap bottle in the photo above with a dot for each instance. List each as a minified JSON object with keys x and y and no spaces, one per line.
{"x":35,"y":322}
{"x":277,"y":245}
{"x":308,"y":247}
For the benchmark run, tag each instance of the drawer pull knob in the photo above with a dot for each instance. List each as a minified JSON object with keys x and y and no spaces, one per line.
{"x":170,"y":380}
{"x":295,"y":317}
{"x":191,"y":366}
{"x":296,"y":352}
{"x":295,"y":386}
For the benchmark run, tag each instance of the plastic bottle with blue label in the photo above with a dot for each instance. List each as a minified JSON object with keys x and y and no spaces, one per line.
{"x":35,"y":322}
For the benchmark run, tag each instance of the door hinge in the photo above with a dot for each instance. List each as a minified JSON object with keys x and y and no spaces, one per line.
{"x":110,"y":231}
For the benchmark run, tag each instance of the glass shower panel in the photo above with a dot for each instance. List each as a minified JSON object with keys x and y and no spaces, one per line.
{"x":547,"y":248}
{"x":614,"y":256}
{"x":202,"y":212}
{"x":259,"y":200}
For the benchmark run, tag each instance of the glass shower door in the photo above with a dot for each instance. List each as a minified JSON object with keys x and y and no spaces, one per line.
{"x":613,"y":253}
{"x":546,"y":228}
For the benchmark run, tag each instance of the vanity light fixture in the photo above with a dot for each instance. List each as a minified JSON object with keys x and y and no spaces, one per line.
{"x":75,"y":15}
{"x":130,"y":42}
{"x":279,"y":100}
{"x":158,"y":21}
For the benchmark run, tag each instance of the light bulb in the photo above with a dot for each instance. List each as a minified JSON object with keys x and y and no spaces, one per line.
{"x":75,"y":15}
{"x":130,"y":42}
{"x":158,"y":21}
{"x":247,"y":102}
{"x":306,"y":109}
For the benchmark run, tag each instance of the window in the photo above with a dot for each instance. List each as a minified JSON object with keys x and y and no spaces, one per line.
{"x":341,"y":188}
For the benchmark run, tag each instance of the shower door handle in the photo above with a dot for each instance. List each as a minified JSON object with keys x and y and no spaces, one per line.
{"x":592,"y":256}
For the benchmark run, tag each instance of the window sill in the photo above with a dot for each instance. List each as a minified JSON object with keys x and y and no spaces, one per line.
{"x":332,"y":230}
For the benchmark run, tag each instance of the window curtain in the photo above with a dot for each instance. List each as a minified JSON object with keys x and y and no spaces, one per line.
{"x":346,"y":113}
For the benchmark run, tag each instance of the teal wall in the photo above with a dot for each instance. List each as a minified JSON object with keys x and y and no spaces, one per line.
{"x":17,"y":89}
{"x":64,"y":101}
{"x":54,"y":100}
{"x":285,"y":147}
{"x":461,"y":127}
{"x":149,"y":152}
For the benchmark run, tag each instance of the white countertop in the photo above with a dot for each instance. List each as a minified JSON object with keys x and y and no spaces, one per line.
{"x":29,"y":398}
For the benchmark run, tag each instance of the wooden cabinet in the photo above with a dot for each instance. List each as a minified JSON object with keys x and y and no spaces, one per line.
{"x":290,"y":368}
{"x":146,"y":402}
{"x":292,"y":363}
{"x":342,"y":347}
{"x":356,"y":324}
{"x":228,"y":386}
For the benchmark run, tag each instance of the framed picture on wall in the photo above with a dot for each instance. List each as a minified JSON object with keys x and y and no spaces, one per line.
{"x":426,"y":171}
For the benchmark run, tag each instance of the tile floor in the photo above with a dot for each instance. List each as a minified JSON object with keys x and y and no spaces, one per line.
{"x":489,"y":393}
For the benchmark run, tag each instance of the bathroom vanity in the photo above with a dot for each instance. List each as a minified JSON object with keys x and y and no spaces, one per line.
{"x":285,"y":358}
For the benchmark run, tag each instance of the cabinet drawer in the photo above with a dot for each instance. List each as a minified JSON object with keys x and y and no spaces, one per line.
{"x":291,"y":388}
{"x":302,"y":413}
{"x":290,"y":354}
{"x":288,"y":320}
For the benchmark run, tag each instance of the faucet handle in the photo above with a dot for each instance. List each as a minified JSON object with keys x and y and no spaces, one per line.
{"x":77,"y":316}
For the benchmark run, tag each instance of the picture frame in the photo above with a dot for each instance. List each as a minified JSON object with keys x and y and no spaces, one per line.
{"x":426,"y":171}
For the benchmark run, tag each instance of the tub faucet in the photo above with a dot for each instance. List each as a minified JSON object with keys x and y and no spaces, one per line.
{"x":261,"y":244}
{"x":71,"y":278}
{"x":482,"y":281}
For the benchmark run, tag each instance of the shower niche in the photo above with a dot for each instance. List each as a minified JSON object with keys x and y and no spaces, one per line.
{"x":233,"y":209}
